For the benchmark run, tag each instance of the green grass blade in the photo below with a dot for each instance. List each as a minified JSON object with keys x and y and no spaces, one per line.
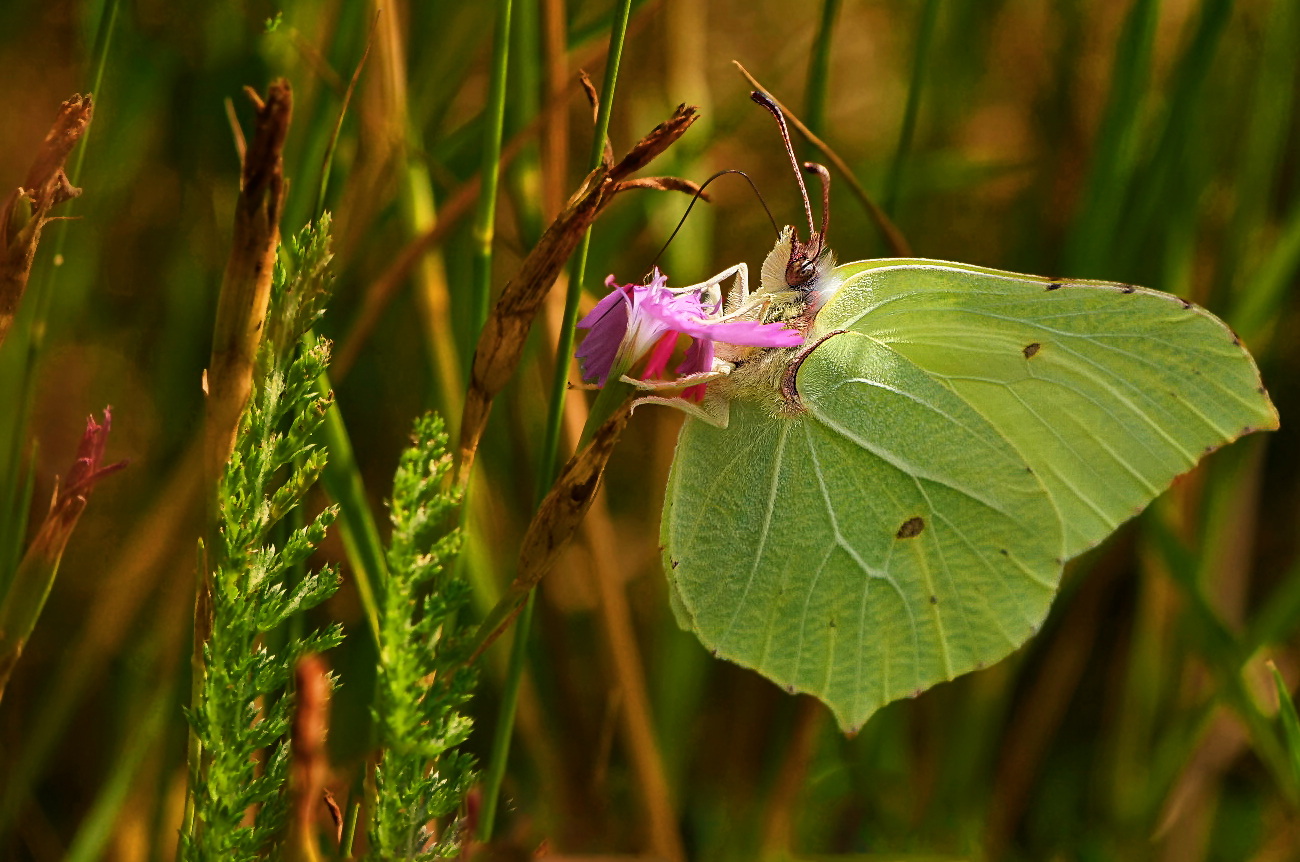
{"x":1153,"y":195}
{"x":91,"y":840}
{"x":15,"y":510}
{"x":814,"y":103}
{"x":505,"y":725}
{"x":485,"y":219}
{"x":924,"y":39}
{"x":1257,"y":310}
{"x":22,"y":349}
{"x":342,"y":481}
{"x":1265,"y":142}
{"x":1290,"y":721}
{"x":548,"y":464}
{"x":1110,"y":174}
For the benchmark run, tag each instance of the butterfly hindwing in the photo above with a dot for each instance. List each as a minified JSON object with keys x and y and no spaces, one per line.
{"x":882,"y":540}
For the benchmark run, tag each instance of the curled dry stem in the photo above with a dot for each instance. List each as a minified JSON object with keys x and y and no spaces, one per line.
{"x":26,"y":209}
{"x":553,"y":526}
{"x":502,"y":342}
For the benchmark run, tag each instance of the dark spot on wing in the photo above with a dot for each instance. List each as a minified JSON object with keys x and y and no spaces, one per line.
{"x":979,"y":665}
{"x":1261,"y":390}
{"x":1056,"y":285}
{"x":1249,"y":429}
{"x":713,"y":652}
{"x":1127,"y":288}
{"x":1031,"y":349}
{"x":833,"y":622}
{"x":789,"y":689}
{"x":1185,"y":303}
{"x":1003,"y":552}
{"x":1029,"y":469}
{"x":1208,"y":450}
{"x":911,"y":527}
{"x":934,"y":600}
{"x":675,"y":563}
{"x":916,"y":693}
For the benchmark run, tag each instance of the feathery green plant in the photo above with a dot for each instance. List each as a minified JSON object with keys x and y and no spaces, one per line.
{"x":239,"y":711}
{"x":423,"y":677}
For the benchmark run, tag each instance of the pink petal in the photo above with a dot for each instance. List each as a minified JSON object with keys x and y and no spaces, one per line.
{"x":659,"y":356}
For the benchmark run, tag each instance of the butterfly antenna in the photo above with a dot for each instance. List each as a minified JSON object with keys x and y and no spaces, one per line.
{"x":696,"y":197}
{"x":825,"y":176}
{"x":768,"y":102}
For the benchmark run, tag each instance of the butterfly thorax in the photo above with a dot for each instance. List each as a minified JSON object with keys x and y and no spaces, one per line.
{"x":796,"y":280}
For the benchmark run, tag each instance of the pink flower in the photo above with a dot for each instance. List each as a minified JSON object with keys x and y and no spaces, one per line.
{"x":637,"y":320}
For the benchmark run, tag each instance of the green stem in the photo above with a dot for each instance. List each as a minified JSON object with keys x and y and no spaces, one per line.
{"x":548,"y":464}
{"x":96,"y":827}
{"x":814,"y":103}
{"x":925,"y":36}
{"x":342,"y":481}
{"x":29,"y":340}
{"x":350,"y":832}
{"x":505,"y":721}
{"x":494,"y":121}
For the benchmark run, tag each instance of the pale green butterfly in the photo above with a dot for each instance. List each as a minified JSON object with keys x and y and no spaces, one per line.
{"x":891,"y":504}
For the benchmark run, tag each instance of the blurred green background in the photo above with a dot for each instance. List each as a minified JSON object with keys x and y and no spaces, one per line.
{"x":1137,"y":141}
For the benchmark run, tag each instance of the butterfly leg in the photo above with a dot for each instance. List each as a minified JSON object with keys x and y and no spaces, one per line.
{"x":715,"y":411}
{"x":720,"y":370}
{"x":711,"y":295}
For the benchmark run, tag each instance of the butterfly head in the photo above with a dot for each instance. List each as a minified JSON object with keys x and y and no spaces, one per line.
{"x":806,"y":263}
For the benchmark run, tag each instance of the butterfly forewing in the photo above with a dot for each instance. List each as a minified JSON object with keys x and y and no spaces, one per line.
{"x":883,"y":540}
{"x":1107,"y":391}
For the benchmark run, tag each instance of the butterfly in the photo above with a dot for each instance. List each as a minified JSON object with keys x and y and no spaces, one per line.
{"x":890,"y":504}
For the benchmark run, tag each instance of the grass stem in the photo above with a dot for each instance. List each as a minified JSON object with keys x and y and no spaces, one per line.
{"x":494,"y":126}
{"x":924,"y":38}
{"x":814,"y":103}
{"x":548,"y":465}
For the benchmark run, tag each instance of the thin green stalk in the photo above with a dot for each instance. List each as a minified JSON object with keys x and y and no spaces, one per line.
{"x":342,"y":481}
{"x":1151,"y":197}
{"x":29,"y":340}
{"x":327,"y":163}
{"x":494,"y":125}
{"x":924,"y":38}
{"x":342,"y":478}
{"x":548,"y":464}
{"x":350,"y":832}
{"x":524,"y":174}
{"x":1226,"y":656}
{"x":1092,"y":236}
{"x":1290,"y":721}
{"x":549,"y":460}
{"x":97,"y":827}
{"x":15,"y":511}
{"x":814,"y":103}
{"x":505,"y":721}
